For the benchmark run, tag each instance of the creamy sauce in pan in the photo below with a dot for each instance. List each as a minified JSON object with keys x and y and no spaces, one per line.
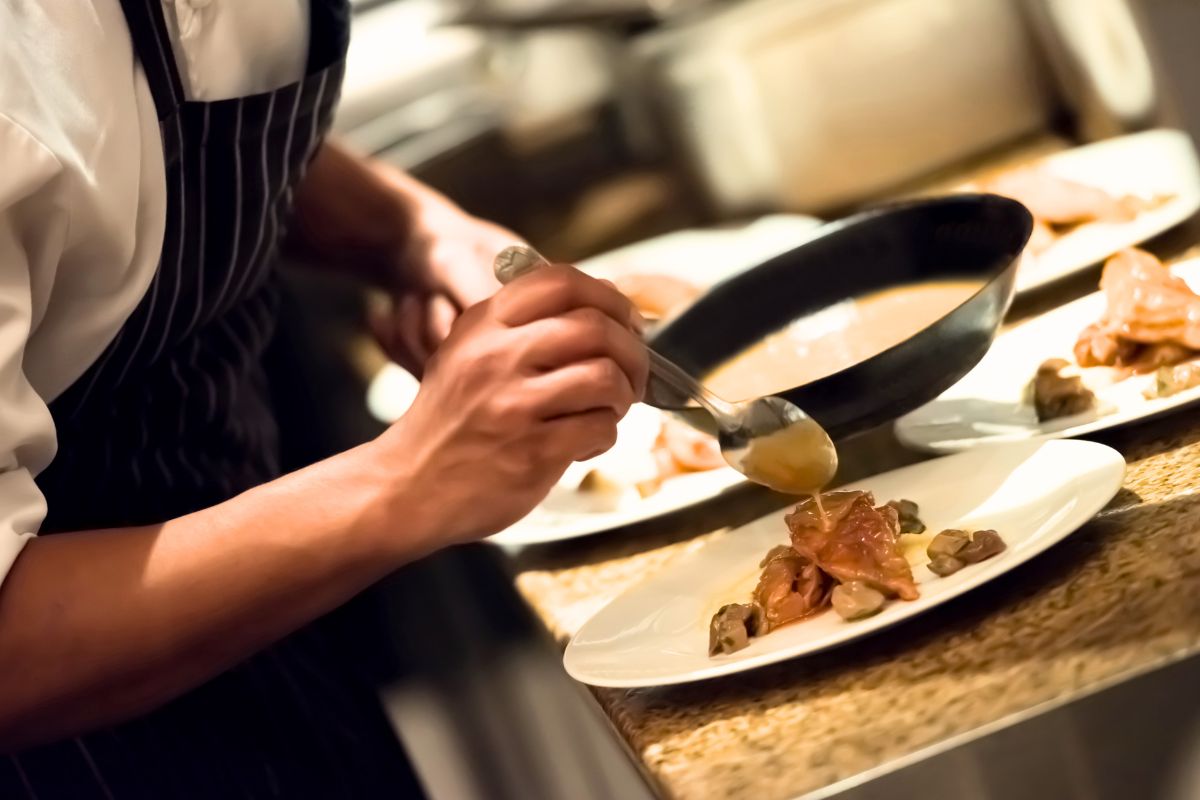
{"x":835,"y":338}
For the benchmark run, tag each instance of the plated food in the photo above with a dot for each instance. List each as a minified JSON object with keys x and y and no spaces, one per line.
{"x":846,"y":554}
{"x":1034,"y":493}
{"x":1151,"y":324}
{"x":1060,"y":205}
{"x":1095,"y":200}
{"x":1129,"y":352}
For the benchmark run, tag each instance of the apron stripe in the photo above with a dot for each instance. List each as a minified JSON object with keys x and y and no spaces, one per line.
{"x":237,"y":216}
{"x":285,"y":167}
{"x":87,"y":757}
{"x":202,"y":234}
{"x":22,"y":777}
{"x":265,"y":165}
{"x":176,"y":276}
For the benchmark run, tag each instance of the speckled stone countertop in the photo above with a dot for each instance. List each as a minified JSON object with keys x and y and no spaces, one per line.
{"x":1119,"y":597}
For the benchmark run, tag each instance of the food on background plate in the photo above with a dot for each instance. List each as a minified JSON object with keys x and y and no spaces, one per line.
{"x":1173,"y":380}
{"x":1151,"y":324}
{"x":676,"y":449}
{"x":835,"y":338}
{"x":656,"y":296}
{"x":1058,"y":393}
{"x":1059,"y":204}
{"x":1152,"y":319}
{"x":847,"y":557}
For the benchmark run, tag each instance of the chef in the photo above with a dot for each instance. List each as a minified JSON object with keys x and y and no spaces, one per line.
{"x":159,"y":581}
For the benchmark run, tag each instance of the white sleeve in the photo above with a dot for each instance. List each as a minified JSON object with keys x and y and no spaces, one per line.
{"x":34,"y":222}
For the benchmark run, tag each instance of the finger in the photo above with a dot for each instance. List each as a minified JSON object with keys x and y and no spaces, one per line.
{"x":597,"y":383}
{"x":583,"y":334}
{"x":554,"y":290}
{"x":440,"y":313}
{"x":471,"y":286}
{"x":579,"y":437}
{"x":382,"y":324}
{"x":410,"y":327}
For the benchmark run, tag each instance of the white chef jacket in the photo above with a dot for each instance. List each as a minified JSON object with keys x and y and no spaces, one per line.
{"x":83,"y":193}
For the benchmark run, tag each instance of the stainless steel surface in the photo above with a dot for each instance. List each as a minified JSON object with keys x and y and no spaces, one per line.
{"x":415,"y":88}
{"x":815,"y":106}
{"x":754,"y":434}
{"x":1101,"y":62}
{"x":1136,"y":739}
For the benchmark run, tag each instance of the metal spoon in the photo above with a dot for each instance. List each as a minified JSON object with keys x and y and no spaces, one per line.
{"x":769,"y":440}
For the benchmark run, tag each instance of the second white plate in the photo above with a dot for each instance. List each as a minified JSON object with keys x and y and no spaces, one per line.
{"x":1034,"y":494}
{"x":990,"y":404}
{"x":1149,"y":164}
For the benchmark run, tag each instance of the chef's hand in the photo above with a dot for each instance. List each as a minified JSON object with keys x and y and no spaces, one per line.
{"x":528,"y":381}
{"x":444,"y":268}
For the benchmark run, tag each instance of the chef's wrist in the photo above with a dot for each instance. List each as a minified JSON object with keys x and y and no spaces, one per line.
{"x":402,"y":518}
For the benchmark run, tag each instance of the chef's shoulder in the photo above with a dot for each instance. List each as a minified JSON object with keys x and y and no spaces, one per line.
{"x":66,"y":74}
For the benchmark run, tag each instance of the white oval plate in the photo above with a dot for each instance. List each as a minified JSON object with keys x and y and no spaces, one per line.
{"x":567,"y":513}
{"x":1147,"y":164}
{"x":1033,"y":493}
{"x":990,"y":404}
{"x":705,"y":257}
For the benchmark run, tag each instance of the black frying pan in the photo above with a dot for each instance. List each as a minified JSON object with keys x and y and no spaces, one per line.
{"x":957,"y":237}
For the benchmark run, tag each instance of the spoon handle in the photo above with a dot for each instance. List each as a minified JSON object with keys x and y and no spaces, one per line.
{"x":516,"y":260}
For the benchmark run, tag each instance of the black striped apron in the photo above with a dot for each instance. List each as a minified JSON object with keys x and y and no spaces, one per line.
{"x":174,"y":417}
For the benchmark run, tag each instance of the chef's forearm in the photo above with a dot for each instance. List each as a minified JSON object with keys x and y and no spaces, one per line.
{"x":99,"y":627}
{"x":357,"y":214}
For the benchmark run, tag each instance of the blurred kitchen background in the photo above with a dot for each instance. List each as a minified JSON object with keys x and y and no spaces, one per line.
{"x":588,"y":124}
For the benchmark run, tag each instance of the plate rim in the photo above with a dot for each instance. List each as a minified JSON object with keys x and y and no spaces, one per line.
{"x":1189,"y":201}
{"x":596,"y":523}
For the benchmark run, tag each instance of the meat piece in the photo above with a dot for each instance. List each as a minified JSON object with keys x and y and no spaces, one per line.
{"x":1061,"y":202}
{"x":1057,"y":395}
{"x":856,"y":600}
{"x":732,"y":627}
{"x":1172,"y":380}
{"x":790,"y":588}
{"x":692,"y":450}
{"x":778,"y":551}
{"x":1152,"y":317}
{"x":1042,"y":237}
{"x":983,"y":545}
{"x":907,"y":511}
{"x":947,"y":543}
{"x":657,"y":296}
{"x":945,"y":565}
{"x":854,"y":542}
{"x":1099,"y":346}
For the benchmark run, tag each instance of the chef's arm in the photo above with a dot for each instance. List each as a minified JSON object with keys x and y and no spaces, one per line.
{"x":99,"y":626}
{"x":358,"y":215}
{"x":367,"y":218}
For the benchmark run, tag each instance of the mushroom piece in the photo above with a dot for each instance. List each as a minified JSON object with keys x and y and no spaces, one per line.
{"x":856,"y":600}
{"x":983,"y":545}
{"x":947,"y":543}
{"x":945,"y":565}
{"x":732,"y":626}
{"x":907,"y":511}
